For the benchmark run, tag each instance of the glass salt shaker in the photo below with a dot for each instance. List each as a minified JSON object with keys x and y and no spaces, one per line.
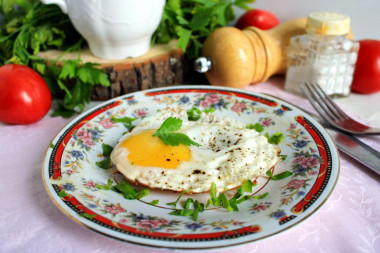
{"x":323,"y":55}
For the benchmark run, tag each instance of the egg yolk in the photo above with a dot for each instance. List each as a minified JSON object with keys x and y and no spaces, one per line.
{"x":148,"y":150}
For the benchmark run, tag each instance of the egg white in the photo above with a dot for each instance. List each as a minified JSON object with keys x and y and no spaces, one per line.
{"x":228,"y":155}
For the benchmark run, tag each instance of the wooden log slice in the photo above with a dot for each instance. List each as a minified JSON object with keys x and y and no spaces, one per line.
{"x":164,"y":65}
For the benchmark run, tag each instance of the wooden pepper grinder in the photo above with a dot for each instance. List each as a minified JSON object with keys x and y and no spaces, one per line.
{"x":236,"y":58}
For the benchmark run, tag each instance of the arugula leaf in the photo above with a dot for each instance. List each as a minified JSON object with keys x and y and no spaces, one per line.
{"x":280,"y":176}
{"x":129,"y":192}
{"x":258,"y":127}
{"x":174,"y":139}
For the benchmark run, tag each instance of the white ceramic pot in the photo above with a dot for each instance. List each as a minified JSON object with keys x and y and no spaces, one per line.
{"x":114,"y":29}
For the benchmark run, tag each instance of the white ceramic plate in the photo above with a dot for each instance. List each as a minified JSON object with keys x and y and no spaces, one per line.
{"x":70,"y":173}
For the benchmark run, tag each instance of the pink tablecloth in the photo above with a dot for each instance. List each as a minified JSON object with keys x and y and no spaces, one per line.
{"x":29,"y":222}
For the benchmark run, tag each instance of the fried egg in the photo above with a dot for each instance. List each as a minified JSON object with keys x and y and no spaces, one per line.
{"x":228,"y":154}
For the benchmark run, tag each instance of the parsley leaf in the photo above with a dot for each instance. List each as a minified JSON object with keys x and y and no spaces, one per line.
{"x":129,"y":192}
{"x":62,"y":194}
{"x":106,"y":163}
{"x":126,"y":120}
{"x":105,"y":187}
{"x":239,"y":197}
{"x":174,"y":204}
{"x":283,"y":157}
{"x":264,"y":195}
{"x":166,"y":135}
{"x":258,"y":127}
{"x":192,"y":21}
{"x":276,"y":138}
{"x":107,"y":149}
{"x":154,"y":202}
{"x":186,"y":211}
{"x":194,"y":113}
{"x":280,"y":176}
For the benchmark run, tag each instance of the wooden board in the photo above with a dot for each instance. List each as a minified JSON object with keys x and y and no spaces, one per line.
{"x":164,"y":65}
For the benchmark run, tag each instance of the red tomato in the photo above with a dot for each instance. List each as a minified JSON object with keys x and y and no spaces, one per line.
{"x":24,"y":95}
{"x":367,"y":71}
{"x":257,"y":18}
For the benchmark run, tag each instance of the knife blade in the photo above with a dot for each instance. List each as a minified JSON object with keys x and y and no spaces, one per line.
{"x":352,"y":146}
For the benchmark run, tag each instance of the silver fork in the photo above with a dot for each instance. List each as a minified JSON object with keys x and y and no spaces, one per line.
{"x":330,"y":112}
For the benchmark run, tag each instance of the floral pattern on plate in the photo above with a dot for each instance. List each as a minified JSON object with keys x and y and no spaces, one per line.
{"x":71,"y":174}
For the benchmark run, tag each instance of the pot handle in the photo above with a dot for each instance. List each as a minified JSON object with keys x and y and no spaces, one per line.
{"x":61,"y":3}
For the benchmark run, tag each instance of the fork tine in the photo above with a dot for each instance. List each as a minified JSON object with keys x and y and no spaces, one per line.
{"x":321,"y":99}
{"x":329,"y":102}
{"x":314,"y":98}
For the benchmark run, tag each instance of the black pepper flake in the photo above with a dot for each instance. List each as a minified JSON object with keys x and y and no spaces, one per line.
{"x":168,"y":160}
{"x":197,"y":171}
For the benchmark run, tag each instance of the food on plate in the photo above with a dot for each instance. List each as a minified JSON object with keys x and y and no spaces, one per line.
{"x":261,"y":19}
{"x":367,"y":70}
{"x":24,"y":95}
{"x":219,"y":150}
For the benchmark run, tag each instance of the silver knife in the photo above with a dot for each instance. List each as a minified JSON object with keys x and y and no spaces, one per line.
{"x":353,"y":147}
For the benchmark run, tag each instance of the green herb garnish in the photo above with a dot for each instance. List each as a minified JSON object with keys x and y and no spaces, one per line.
{"x":167,"y":135}
{"x":174,"y":204}
{"x":275,"y":139}
{"x":194,"y":113}
{"x":282,"y":157}
{"x":88,"y":216}
{"x":186,"y":211}
{"x":106,"y":163}
{"x":192,"y":21}
{"x":51,"y":144}
{"x":238,"y":198}
{"x":279,"y":176}
{"x":154,"y":202}
{"x":261,"y":196}
{"x":258,"y":127}
{"x":62,"y":194}
{"x":105,"y":187}
{"x":126,"y":120}
{"x":129,"y":192}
